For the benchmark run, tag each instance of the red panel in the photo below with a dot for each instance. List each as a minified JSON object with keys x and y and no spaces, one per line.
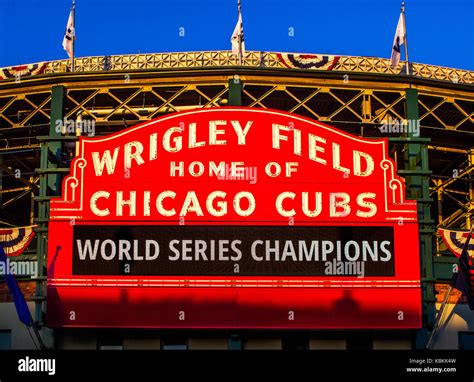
{"x":234,"y":307}
{"x":233,"y":301}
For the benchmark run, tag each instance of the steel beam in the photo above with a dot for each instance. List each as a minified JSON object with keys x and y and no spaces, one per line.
{"x":48,"y":181}
{"x":416,"y":164}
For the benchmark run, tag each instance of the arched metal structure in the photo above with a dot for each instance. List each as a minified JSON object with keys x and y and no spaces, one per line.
{"x":360,"y":95}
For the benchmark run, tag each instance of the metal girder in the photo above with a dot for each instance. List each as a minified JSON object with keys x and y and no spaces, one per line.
{"x":451,"y":191}
{"x":462,"y":205}
{"x":258,"y":100}
{"x":416,"y":162}
{"x":116,"y":105}
{"x":20,"y":178}
{"x":375,"y":94}
{"x":452,"y":220}
{"x":23,"y":192}
{"x":15,"y":198}
{"x":14,"y":190}
{"x":302,"y":103}
{"x":450,"y":181}
{"x":169,"y":101}
{"x":361,"y":113}
{"x":447,"y":104}
{"x":447,"y":149}
{"x":80,"y":105}
{"x":389,"y":107}
{"x":345,"y":105}
{"x":16,"y":103}
{"x":461,"y":217}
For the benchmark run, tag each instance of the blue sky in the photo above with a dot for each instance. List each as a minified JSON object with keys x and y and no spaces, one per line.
{"x":439,"y":32}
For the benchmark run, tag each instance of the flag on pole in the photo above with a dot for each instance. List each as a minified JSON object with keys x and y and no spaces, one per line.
{"x":18,"y":298}
{"x":70,"y":35}
{"x":398,"y":41}
{"x":462,"y":245}
{"x":237,"y":39}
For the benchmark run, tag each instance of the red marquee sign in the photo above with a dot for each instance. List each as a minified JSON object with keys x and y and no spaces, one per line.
{"x":233,"y":218}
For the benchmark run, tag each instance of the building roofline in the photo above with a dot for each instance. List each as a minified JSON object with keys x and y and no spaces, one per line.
{"x":297,"y":62}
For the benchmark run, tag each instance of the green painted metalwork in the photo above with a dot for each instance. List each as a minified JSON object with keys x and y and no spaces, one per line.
{"x":417,"y":176}
{"x":235,"y":91}
{"x":50,"y":185}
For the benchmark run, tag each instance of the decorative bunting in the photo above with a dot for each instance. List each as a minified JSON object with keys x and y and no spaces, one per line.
{"x":308,"y":61}
{"x":464,"y":280}
{"x":15,"y":240}
{"x":23,"y":70}
{"x":455,"y":240}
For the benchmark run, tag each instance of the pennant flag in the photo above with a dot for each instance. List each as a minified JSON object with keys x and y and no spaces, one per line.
{"x":237,"y":39}
{"x":15,"y":240}
{"x":307,"y":61}
{"x":23,"y":70}
{"x":70,"y":35}
{"x":18,"y":298}
{"x":398,"y":41}
{"x":461,"y":244}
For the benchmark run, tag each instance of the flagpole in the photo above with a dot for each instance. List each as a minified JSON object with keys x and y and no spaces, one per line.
{"x":438,"y":317}
{"x":407,"y":62}
{"x":240,"y":34}
{"x":37,"y":333}
{"x":445,"y":301}
{"x":73,"y":10}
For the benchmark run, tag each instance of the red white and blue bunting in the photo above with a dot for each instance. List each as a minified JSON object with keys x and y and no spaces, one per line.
{"x":308,"y":61}
{"x":22,"y":70}
{"x":15,"y":240}
{"x":455,"y":240}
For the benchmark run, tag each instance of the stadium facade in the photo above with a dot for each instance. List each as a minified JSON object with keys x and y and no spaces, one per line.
{"x":427,"y":116}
